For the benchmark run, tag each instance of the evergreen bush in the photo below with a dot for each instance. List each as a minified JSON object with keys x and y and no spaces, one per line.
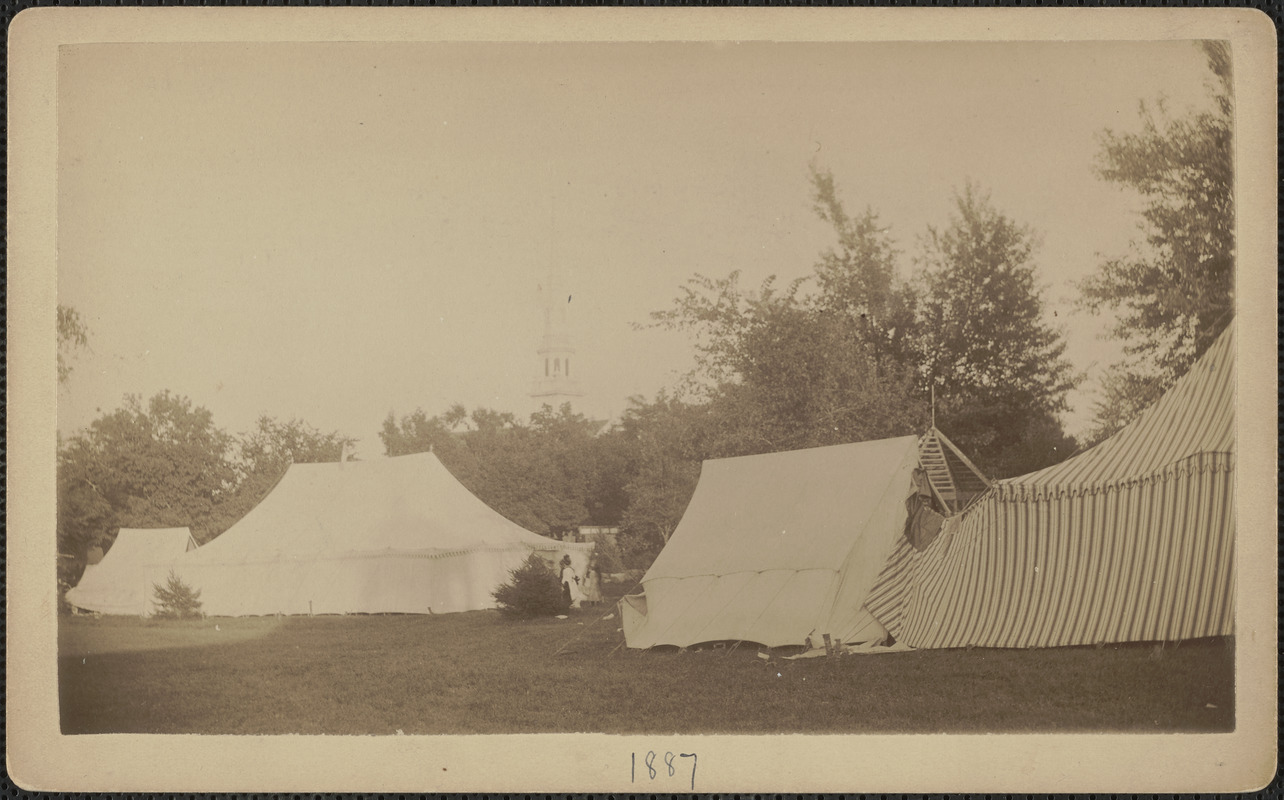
{"x":177,"y":600}
{"x":533,"y":590}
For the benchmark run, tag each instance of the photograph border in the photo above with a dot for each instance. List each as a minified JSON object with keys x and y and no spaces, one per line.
{"x":39,"y":757}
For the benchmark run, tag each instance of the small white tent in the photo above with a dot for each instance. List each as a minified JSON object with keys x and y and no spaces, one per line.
{"x":783,"y":547}
{"x":122,"y":582}
{"x":393,"y":535}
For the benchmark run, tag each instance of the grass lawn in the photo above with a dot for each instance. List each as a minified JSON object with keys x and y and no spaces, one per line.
{"x":479,"y":673}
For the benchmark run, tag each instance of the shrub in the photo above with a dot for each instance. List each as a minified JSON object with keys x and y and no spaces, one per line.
{"x":533,"y":590}
{"x":177,"y":600}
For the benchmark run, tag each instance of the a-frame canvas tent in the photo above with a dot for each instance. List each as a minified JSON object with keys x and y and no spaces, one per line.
{"x":784,"y":547}
{"x":1133,"y":540}
{"x":393,"y":535}
{"x":122,"y":582}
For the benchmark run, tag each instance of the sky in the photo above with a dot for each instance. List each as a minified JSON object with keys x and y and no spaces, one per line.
{"x":337,"y":231}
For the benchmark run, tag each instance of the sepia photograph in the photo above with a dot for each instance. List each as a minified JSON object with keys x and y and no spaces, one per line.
{"x":671,"y":391}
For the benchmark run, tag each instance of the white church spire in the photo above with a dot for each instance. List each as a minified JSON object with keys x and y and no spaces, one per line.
{"x":557,"y":376}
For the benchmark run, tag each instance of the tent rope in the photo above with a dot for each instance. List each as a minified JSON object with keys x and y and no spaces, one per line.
{"x":576,"y":637}
{"x":618,"y":611}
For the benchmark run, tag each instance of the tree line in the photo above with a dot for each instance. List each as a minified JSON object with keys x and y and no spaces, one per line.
{"x":870,"y":344}
{"x":166,"y":464}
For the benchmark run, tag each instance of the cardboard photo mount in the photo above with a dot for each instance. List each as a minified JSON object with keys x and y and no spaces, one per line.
{"x":39,"y":757}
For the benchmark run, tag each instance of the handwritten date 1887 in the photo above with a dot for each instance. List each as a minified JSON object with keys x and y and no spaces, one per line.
{"x":650,"y":770}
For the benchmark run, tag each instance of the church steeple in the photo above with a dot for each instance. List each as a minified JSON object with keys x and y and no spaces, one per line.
{"x":557,"y":378}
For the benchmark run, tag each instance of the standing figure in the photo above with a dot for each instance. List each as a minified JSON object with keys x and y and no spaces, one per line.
{"x":570,"y":584}
{"x":593,"y":584}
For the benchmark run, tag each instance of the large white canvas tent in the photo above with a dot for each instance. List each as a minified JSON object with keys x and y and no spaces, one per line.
{"x":784,"y":547}
{"x":394,"y":535}
{"x":121,"y":583}
{"x":1133,"y":540}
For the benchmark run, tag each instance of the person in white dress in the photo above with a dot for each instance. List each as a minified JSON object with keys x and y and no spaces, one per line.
{"x":571,"y":584}
{"x":593,"y":584}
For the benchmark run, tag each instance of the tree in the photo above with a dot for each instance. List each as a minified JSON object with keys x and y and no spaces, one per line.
{"x":86,"y":517}
{"x":783,"y":370}
{"x":525,"y":472}
{"x":272,"y":444}
{"x":827,"y":359}
{"x":176,"y":600}
{"x":533,"y":590}
{"x":1174,"y":291}
{"x":615,"y":461}
{"x":716,"y":313}
{"x":72,"y":336}
{"x":668,"y":438}
{"x":570,"y":441}
{"x":996,"y":366}
{"x":858,"y":279}
{"x":810,"y":378}
{"x":165,"y":465}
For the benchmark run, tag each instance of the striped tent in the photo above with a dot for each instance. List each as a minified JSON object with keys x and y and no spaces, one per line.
{"x":1132,"y":540}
